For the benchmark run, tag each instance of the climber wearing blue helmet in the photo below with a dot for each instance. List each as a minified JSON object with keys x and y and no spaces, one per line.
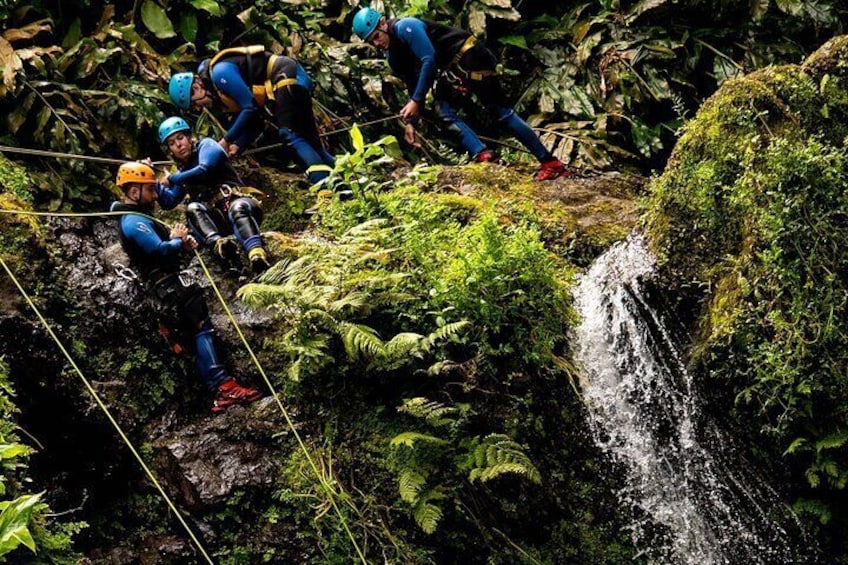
{"x":425,"y":54}
{"x":216,"y":193}
{"x":246,"y":81}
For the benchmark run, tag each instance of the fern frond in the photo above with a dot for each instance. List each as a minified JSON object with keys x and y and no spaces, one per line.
{"x":360,"y":340}
{"x":444,"y":332}
{"x":434,"y":413}
{"x":496,"y":455}
{"x":258,"y":295}
{"x":410,"y":485}
{"x":352,"y":301}
{"x":409,"y":438}
{"x":426,"y":514}
{"x":403,"y":344}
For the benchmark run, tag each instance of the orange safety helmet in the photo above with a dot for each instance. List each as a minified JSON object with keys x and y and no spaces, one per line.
{"x":134,"y":172}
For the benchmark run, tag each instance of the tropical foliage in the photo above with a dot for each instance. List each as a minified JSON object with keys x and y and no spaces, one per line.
{"x":752,"y":208}
{"x":603,"y":80}
{"x":421,"y":331}
{"x":24,"y":523}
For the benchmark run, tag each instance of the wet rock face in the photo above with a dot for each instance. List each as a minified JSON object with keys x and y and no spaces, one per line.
{"x":206,"y":461}
{"x":95,"y":304}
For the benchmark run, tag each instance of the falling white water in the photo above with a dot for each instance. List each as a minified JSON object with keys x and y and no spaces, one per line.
{"x":691,"y":502}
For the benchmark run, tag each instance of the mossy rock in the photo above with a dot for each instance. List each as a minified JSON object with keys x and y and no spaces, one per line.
{"x":829,"y":59}
{"x":694,"y":215}
{"x":287,"y":198}
{"x":578,"y":218}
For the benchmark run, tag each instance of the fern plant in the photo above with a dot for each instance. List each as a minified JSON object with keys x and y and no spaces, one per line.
{"x":434,"y":468}
{"x":330,"y":291}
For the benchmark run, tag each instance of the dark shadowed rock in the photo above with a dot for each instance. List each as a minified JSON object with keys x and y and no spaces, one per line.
{"x":206,"y":461}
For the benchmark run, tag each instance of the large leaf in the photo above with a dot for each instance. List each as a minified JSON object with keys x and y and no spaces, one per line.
{"x":791,"y":7}
{"x":156,"y":20}
{"x":187,"y":25}
{"x":10,"y":63}
{"x":477,"y":21}
{"x":356,"y":138}
{"x":515,"y":40}
{"x":18,"y":116}
{"x":14,"y":519}
{"x":759,"y":9}
{"x":210,"y":6}
{"x":27,"y":32}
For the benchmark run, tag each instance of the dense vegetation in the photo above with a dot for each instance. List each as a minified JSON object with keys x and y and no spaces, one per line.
{"x":750,"y":218}
{"x":420,"y":329}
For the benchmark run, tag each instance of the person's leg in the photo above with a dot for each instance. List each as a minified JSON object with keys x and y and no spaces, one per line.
{"x":201,"y":223}
{"x":296,"y":122}
{"x":245,"y":216}
{"x":195,"y":315}
{"x":457,"y":128}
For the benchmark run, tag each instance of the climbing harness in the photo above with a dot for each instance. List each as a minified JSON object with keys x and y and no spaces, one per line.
{"x":331,"y":495}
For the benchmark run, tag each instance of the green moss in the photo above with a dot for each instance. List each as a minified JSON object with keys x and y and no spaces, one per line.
{"x":752,"y":209}
{"x":14,"y":179}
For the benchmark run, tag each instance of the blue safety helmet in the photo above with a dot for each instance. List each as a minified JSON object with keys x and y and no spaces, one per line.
{"x":171,"y":126}
{"x":365,"y":22}
{"x":180,"y":89}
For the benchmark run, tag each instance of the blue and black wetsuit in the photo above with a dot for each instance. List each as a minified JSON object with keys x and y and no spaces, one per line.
{"x":424,"y":53}
{"x":233,"y":78}
{"x":202,"y":178}
{"x":183,"y":309}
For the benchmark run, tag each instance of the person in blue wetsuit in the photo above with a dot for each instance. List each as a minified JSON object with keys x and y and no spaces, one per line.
{"x":425,"y":54}
{"x":253,"y":84}
{"x":155,"y":253}
{"x":216,"y":191}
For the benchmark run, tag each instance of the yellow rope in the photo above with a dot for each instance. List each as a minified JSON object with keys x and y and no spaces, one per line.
{"x":106,"y":411}
{"x":327,"y":487}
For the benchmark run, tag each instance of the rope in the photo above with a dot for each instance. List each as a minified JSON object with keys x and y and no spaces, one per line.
{"x":327,"y":487}
{"x":325,"y":134}
{"x":58,"y":155}
{"x":106,"y":411}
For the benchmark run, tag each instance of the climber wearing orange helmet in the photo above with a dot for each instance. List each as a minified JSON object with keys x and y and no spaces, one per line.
{"x":155,"y":252}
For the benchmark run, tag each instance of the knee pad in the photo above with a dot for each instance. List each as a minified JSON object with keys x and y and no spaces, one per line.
{"x":240,"y":208}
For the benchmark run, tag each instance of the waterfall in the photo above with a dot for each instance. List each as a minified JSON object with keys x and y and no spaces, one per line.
{"x":692,"y":499}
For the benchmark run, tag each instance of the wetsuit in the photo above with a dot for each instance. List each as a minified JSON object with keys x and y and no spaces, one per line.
{"x":156,"y":257}
{"x":234,"y":77}
{"x":425,"y":53}
{"x":202,"y":178}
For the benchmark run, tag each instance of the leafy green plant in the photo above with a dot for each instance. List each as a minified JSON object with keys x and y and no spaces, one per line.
{"x":430,"y":468}
{"x":23,"y":516}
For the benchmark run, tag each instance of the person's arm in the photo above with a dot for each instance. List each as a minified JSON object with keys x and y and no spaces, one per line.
{"x":170,"y":195}
{"x":209,"y":156}
{"x":228,"y":80}
{"x":413,"y":32}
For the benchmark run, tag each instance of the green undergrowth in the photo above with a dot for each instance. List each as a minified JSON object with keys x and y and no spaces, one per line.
{"x":752,"y":211}
{"x":423,"y":334}
{"x":27,"y":532}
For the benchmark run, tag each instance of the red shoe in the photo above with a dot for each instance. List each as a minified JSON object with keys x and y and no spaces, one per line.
{"x":550,"y":170}
{"x":486,"y":156}
{"x":230,"y":393}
